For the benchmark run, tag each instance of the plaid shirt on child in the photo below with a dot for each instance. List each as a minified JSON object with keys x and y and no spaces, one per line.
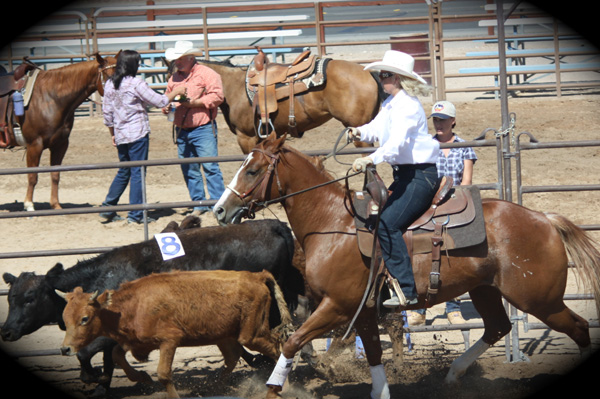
{"x":454,"y":164}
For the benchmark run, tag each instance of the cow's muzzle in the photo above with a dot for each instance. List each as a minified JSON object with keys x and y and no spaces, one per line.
{"x":67,"y":351}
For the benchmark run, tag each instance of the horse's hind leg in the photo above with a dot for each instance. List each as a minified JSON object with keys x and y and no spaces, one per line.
{"x":568,"y":322}
{"x":488,"y":303}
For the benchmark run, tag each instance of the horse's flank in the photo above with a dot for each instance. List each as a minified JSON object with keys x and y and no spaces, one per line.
{"x":350,"y":94}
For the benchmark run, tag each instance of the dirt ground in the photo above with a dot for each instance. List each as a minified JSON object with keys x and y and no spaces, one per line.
{"x":548,"y":355}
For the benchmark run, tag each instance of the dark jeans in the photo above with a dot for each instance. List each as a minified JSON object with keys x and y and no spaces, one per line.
{"x":136,"y":151}
{"x":412,"y":192}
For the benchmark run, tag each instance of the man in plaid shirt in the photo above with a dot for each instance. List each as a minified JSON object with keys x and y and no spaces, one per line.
{"x":456,"y":163}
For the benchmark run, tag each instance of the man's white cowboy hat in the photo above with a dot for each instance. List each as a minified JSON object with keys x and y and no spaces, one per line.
{"x":182,"y":47}
{"x":397,"y":62}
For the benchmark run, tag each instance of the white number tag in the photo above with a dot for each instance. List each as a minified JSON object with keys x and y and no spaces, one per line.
{"x":170,"y":245}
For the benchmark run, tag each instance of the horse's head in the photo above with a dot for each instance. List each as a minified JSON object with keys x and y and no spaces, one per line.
{"x":106,"y":69}
{"x":256,"y":181}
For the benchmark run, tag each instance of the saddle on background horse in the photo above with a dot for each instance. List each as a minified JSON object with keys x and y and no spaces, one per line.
{"x":23,"y":79}
{"x":453,"y":220}
{"x":267,"y":83}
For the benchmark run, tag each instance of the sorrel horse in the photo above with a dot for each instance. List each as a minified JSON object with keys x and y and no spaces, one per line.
{"x":312,"y":108}
{"x":49,"y":118}
{"x":524,"y":259}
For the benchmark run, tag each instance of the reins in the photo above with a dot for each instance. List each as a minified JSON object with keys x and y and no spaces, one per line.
{"x":264,"y":182}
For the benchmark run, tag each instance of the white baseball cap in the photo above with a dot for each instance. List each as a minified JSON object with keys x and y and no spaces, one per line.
{"x":443,"y":110}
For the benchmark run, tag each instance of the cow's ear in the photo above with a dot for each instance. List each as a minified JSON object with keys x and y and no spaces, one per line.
{"x":9,"y":278}
{"x":54,"y":273}
{"x":105,"y":299}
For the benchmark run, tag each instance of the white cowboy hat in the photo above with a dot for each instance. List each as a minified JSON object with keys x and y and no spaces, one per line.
{"x":182,"y":47}
{"x":397,"y":62}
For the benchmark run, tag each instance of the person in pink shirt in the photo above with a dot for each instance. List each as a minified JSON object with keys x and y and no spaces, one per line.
{"x":195,"y":123}
{"x":125,"y":115}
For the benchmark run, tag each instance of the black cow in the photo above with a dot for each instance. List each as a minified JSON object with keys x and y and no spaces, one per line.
{"x":251,"y":246}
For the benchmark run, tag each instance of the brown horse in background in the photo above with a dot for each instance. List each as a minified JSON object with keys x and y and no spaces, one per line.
{"x":50,"y":115}
{"x":350,"y":94}
{"x":524,"y":259}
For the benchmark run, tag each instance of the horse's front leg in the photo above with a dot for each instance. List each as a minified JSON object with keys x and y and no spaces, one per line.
{"x":57,"y":154}
{"x":34,"y":153}
{"x":368,"y":330}
{"x":325,"y":318}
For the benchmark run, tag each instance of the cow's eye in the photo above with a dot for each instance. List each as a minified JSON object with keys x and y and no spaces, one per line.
{"x":84,"y":320}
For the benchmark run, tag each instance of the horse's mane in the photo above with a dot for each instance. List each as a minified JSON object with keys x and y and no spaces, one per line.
{"x":225,"y":63}
{"x":72,"y":72}
{"x":316,"y":161}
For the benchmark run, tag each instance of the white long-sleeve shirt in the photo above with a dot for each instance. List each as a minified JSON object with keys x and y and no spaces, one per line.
{"x":402,"y":132}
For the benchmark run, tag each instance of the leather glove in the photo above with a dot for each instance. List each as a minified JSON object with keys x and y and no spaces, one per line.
{"x":360,"y":164}
{"x":352,"y":134}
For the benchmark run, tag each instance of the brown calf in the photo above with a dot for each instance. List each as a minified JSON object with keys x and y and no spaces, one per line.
{"x":164,"y":311}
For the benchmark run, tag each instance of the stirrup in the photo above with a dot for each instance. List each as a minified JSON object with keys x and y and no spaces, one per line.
{"x":395,"y":293}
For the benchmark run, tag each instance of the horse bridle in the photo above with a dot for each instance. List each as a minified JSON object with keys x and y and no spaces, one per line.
{"x":100,"y":80}
{"x":251,"y":206}
{"x":263,"y":183}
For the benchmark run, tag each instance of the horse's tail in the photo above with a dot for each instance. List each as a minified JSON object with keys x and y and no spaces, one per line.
{"x":583,"y":252}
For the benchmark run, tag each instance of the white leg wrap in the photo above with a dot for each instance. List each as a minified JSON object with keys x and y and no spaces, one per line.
{"x":281,"y":371}
{"x":379,"y":388}
{"x":28,"y":206}
{"x":460,"y":365}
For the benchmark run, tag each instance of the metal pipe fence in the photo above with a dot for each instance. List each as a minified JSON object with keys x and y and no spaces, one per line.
{"x":513,"y":353}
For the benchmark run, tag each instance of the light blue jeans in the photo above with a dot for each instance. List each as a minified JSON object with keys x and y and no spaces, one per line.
{"x":200,"y":142}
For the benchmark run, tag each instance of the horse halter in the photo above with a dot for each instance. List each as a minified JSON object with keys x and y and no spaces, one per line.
{"x":101,"y":80}
{"x":263,"y":183}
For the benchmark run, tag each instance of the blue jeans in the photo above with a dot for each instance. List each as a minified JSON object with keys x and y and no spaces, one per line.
{"x":412,"y":192}
{"x":200,"y":142}
{"x":136,"y":151}
{"x":451,"y":306}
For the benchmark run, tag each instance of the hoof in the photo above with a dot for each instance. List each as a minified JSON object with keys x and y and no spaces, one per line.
{"x":273,"y":392}
{"x":99,"y":392}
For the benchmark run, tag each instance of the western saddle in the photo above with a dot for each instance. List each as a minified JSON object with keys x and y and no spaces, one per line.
{"x":9,"y":83}
{"x":269,"y":82}
{"x":451,"y":207}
